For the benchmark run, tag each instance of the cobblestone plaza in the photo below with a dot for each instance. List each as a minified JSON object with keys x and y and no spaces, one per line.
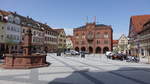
{"x":93,"y":69}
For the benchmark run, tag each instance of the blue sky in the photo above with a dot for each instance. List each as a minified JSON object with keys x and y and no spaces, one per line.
{"x":70,"y":14}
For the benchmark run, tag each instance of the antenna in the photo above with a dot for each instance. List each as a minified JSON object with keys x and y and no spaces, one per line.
{"x":87,"y":19}
{"x":94,"y":19}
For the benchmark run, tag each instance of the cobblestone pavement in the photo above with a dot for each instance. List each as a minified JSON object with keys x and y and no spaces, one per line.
{"x":93,"y":69}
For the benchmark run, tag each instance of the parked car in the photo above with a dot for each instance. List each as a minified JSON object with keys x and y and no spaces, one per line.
{"x":111,"y":55}
{"x":85,"y":52}
{"x":119,"y":56}
{"x":67,"y":52}
{"x":73,"y":52}
{"x":133,"y":59}
{"x":108,"y":54}
{"x":114,"y":56}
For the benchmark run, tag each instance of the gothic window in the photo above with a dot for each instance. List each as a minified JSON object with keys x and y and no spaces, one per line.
{"x":98,"y":35}
{"x":105,"y":34}
{"x":105,"y":41}
{"x":98,"y":41}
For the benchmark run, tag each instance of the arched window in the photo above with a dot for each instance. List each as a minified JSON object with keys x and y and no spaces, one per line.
{"x":77,"y":49}
{"x":98,"y":50}
{"x":105,"y":49}
{"x":98,"y":35}
{"x":90,"y":50}
{"x":83,"y":49}
{"x":106,"y":35}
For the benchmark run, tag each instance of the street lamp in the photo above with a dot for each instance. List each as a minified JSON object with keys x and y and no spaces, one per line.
{"x":148,"y":52}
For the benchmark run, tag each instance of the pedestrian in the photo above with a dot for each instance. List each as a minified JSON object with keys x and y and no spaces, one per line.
{"x":82,"y":55}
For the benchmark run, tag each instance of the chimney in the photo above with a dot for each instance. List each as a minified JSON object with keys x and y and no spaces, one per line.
{"x":15,"y":12}
{"x":28,"y":17}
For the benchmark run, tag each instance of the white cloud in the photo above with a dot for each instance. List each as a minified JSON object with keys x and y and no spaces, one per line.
{"x":117,"y":35}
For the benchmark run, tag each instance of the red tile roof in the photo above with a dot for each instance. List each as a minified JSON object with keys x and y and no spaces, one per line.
{"x":71,"y":37}
{"x":138,"y":21}
{"x":115,"y":41}
{"x":59,"y":30}
{"x":2,"y":12}
{"x":97,"y":26}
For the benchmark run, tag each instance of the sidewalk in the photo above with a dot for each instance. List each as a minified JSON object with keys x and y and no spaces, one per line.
{"x":144,"y":60}
{"x":1,"y":62}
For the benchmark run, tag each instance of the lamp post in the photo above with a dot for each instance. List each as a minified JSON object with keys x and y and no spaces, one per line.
{"x":148,"y":53}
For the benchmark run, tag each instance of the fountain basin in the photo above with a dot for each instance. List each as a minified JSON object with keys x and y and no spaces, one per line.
{"x":20,"y":61}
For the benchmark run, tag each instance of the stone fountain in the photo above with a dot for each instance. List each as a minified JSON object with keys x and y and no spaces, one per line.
{"x":27,"y":59}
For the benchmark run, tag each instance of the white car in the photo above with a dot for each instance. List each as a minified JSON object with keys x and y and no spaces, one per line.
{"x":73,"y":52}
{"x":67,"y":52}
{"x":108,"y":53}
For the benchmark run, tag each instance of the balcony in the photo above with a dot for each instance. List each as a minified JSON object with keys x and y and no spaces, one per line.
{"x":147,"y":36}
{"x":144,"y":44}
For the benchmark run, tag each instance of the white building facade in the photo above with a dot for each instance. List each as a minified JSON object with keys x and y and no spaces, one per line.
{"x":10,"y":32}
{"x":123,"y":44}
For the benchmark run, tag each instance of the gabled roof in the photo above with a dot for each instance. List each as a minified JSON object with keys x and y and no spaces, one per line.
{"x":27,"y":21}
{"x":101,"y":25}
{"x":97,"y":26}
{"x":137,"y":22}
{"x":148,"y":22}
{"x":146,"y":27}
{"x":59,"y":30}
{"x":71,"y":37}
{"x":123,"y":36}
{"x":2,"y":12}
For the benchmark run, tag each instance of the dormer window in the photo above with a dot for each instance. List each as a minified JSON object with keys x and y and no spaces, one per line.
{"x":38,"y":24}
{"x":5,"y":18}
{"x":17,"y":20}
{"x":10,"y":18}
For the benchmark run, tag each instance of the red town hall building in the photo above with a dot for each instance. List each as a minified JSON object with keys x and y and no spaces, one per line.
{"x":93,"y":38}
